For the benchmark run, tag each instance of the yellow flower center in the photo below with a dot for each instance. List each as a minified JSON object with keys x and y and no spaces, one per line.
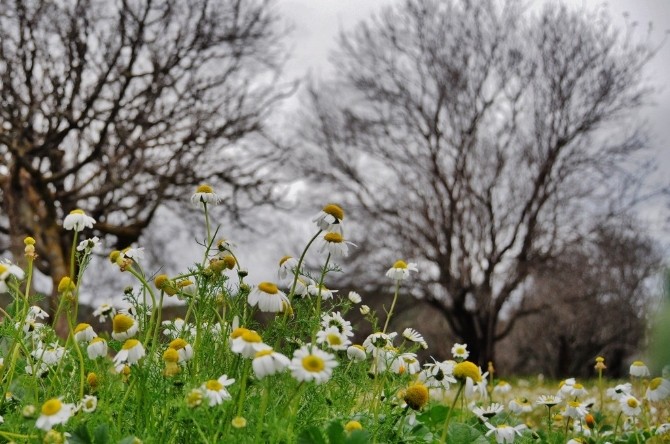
{"x":65,"y":284}
{"x":204,"y":189}
{"x":400,"y":264}
{"x":360,"y":347}
{"x":335,"y":238}
{"x":51,"y":407}
{"x":283,"y":259}
{"x":194,"y":398}
{"x":251,"y":336}
{"x":92,"y":379}
{"x":352,"y":425}
{"x":655,"y":383}
{"x":3,"y":268}
{"x":96,"y":340}
{"x":178,"y":344}
{"x":262,"y":353}
{"x":416,"y":396}
{"x":161,"y":280}
{"x":313,"y":363}
{"x":77,"y":211}
{"x":334,"y":210}
{"x":600,"y":359}
{"x":632,"y":403}
{"x":229,"y":261}
{"x":213,"y":385}
{"x":578,"y":386}
{"x":268,"y":287}
{"x":121,"y":323}
{"x":574,"y":404}
{"x":81,"y":327}
{"x":334,"y":339}
{"x":239,"y":422}
{"x":239,"y":331}
{"x":467,"y":369}
{"x":130,"y":343}
{"x":460,"y":351}
{"x":638,"y":364}
{"x":170,"y":355}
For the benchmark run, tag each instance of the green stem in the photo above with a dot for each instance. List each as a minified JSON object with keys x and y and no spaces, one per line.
{"x":263,"y":407}
{"x":297,"y":267}
{"x":443,"y":438}
{"x":395,"y":299}
{"x":318,"y":297}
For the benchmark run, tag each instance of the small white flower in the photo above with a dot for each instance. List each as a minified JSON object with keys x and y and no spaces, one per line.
{"x":131,"y":352}
{"x":335,"y":319}
{"x":49,"y":355}
{"x":460,"y":351}
{"x":549,"y":400}
{"x":630,"y":405}
{"x":77,"y":220}
{"x":326,"y":293}
{"x":335,"y":244}
{"x":378,"y":341}
{"x":124,"y":326}
{"x":658,"y":389}
{"x":330,"y":218}
{"x":414,"y":336}
{"x":88,"y":245}
{"x":42,"y":370}
{"x":639,"y":370}
{"x":54,"y":412}
{"x":576,"y":410}
{"x":663,"y":429}
{"x":485,"y":413}
{"x":287,"y":266}
{"x":178,"y":328}
{"x":268,"y":362}
{"x":356,"y":353}
{"x":615,"y":393}
{"x":104,"y":311}
{"x":520,"y":405}
{"x":365,"y":310}
{"x":438,"y":375}
{"x":577,"y":390}
{"x":184,"y":349}
{"x":36,"y":312}
{"x":354,"y":297}
{"x":205,"y":194}
{"x":268,"y":298}
{"x":504,"y":433}
{"x":84,"y":332}
{"x":6,"y":270}
{"x":400,"y":270}
{"x":310,"y":363}
{"x":405,"y":363}
{"x":246,"y":342}
{"x":333,"y":338}
{"x":97,"y":348}
{"x":88,"y":404}
{"x":136,"y":254}
{"x":502,"y":387}
{"x":215,"y":390}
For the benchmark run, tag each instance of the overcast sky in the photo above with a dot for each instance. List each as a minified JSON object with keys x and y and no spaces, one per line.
{"x":317,"y":23}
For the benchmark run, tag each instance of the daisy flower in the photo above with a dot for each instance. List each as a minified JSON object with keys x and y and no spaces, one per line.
{"x":615,"y":393}
{"x":460,"y":352}
{"x":287,"y":266}
{"x":310,"y":363}
{"x":502,"y":387}
{"x":183,"y":348}
{"x":246,"y":342}
{"x":84,"y":332}
{"x":330,"y":218}
{"x":54,"y":412}
{"x":356,"y":353}
{"x":136,"y":254}
{"x":77,"y":220}
{"x":334,"y":243}
{"x":268,"y":362}
{"x":36,"y":313}
{"x":333,"y":338}
{"x":131,"y":352}
{"x":577,"y":390}
{"x":268,"y":298}
{"x":335,"y":319}
{"x":400,"y":270}
{"x":520,"y":405}
{"x":438,"y":375}
{"x":378,"y":341}
{"x":49,"y":355}
{"x":405,"y":363}
{"x":89,"y":245}
{"x":575,"y":410}
{"x":549,"y":400}
{"x":7,"y":270}
{"x":630,"y":405}
{"x":97,"y":348}
{"x":485,"y":413}
{"x":301,"y":286}
{"x":639,"y":369}
{"x":354,"y":297}
{"x":315,"y":290}
{"x":42,"y":370}
{"x":658,"y":389}
{"x":414,"y":336}
{"x":104,"y":311}
{"x":215,"y":390}
{"x":88,"y":404}
{"x":504,"y":433}
{"x":205,"y":194}
{"x":177,"y":327}
{"x":123,"y":327}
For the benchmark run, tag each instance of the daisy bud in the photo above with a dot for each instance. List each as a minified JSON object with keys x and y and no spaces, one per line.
{"x":364,"y":310}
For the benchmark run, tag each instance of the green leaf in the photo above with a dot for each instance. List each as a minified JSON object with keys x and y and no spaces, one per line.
{"x":335,"y":433}
{"x":101,"y":434}
{"x":80,"y":435}
{"x":465,"y":434}
{"x":434,"y":416}
{"x":311,"y":435}
{"x":358,"y":437}
{"x":127,"y":440}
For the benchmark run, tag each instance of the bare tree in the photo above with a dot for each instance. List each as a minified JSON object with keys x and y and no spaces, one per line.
{"x":118,"y":107}
{"x":481,"y":141}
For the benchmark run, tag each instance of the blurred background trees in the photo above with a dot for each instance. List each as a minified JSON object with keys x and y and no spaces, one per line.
{"x":491,"y":145}
{"x":121,"y":107}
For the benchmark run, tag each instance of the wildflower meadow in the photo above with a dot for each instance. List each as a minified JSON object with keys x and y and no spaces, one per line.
{"x":275,"y":362}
